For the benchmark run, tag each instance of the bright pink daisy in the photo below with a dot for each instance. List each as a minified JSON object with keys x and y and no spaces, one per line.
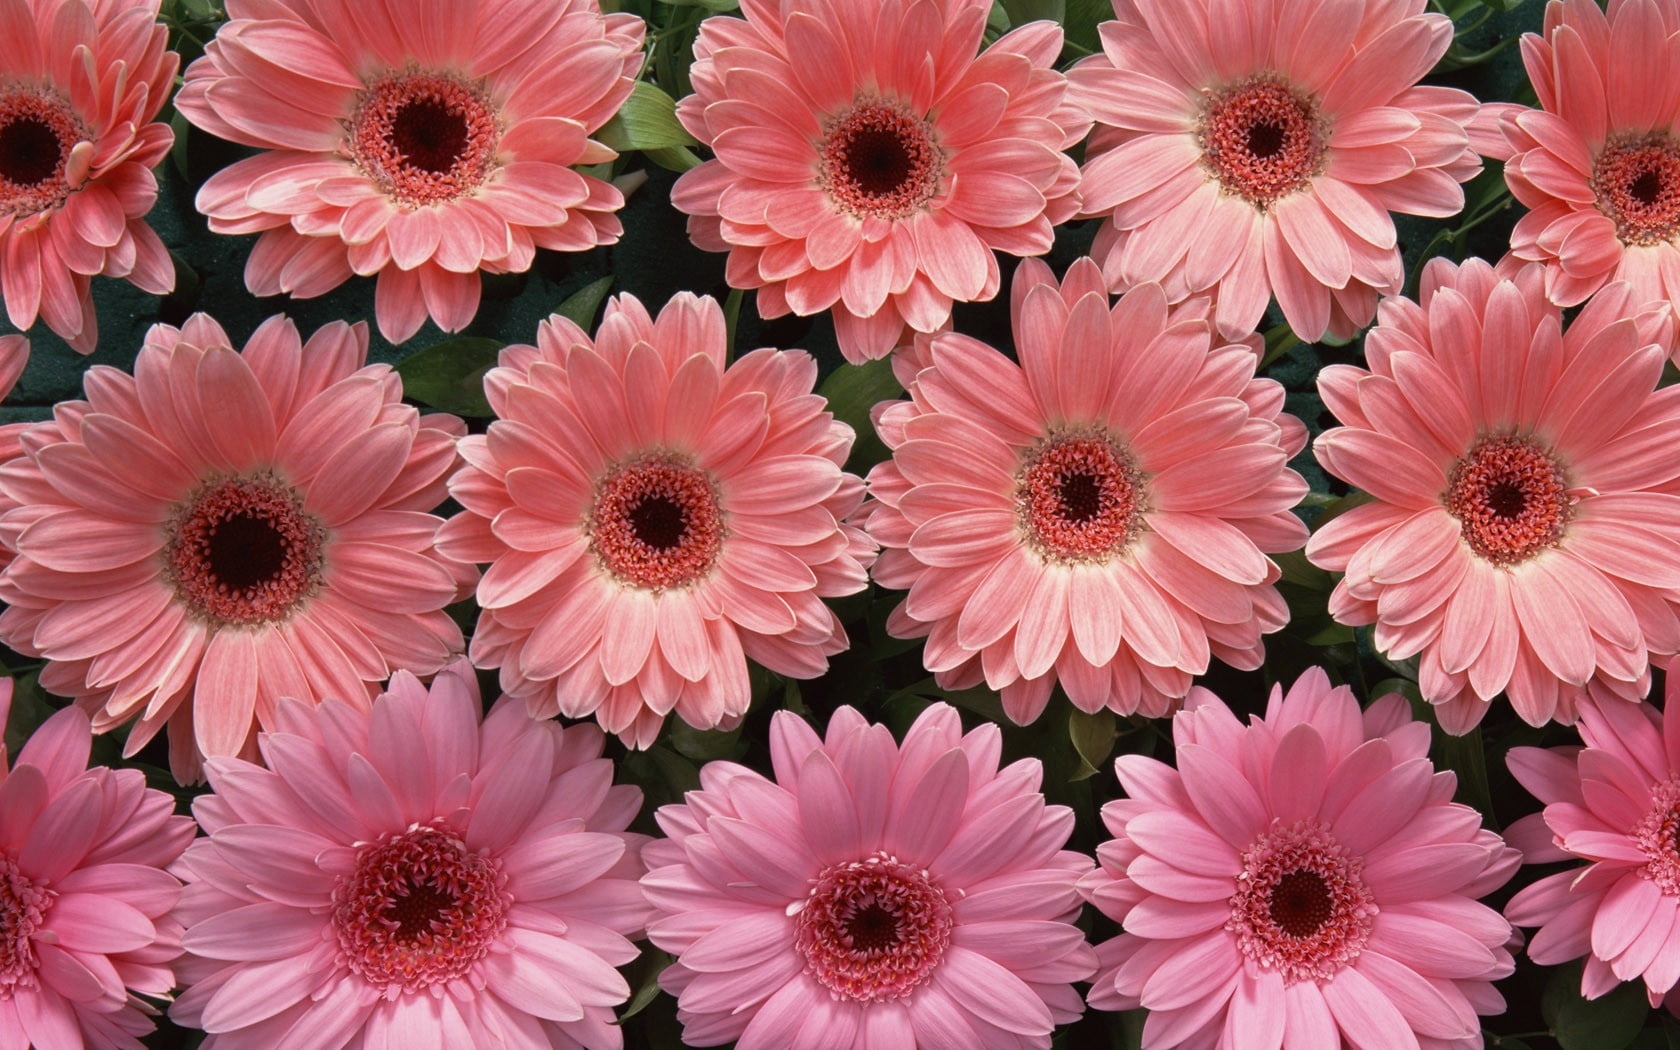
{"x":1251,"y":150}
{"x":655,"y":517}
{"x":1098,"y":515}
{"x":868,"y":163}
{"x":407,"y":877}
{"x":1302,"y":881}
{"x":873,"y":895}
{"x":83,"y":80}
{"x":1598,"y":165}
{"x":1616,"y":805}
{"x":421,"y":141}
{"x":85,"y":898}
{"x":224,"y":528}
{"x":1525,"y":493}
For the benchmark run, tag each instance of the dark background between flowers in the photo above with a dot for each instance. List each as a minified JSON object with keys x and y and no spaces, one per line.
{"x":880,"y":675}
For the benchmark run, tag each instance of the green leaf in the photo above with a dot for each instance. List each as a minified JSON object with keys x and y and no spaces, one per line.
{"x":852,"y":391}
{"x":579,"y":307}
{"x":648,"y":120}
{"x":673,"y":158}
{"x":1611,"y":1022}
{"x":1467,"y":758}
{"x":1024,"y":11}
{"x":449,"y":375}
{"x":710,"y":5}
{"x":1083,"y":17}
{"x":1093,"y":737}
{"x":649,"y":966}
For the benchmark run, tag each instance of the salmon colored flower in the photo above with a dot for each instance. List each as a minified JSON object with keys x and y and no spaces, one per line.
{"x":868,"y":163}
{"x":419,"y":141}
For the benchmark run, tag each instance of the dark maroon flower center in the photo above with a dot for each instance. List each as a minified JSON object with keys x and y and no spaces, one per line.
{"x":37,"y":132}
{"x":1636,"y":182}
{"x":1079,"y":497}
{"x":244,"y":551}
{"x":656,"y":523}
{"x":424,"y":138}
{"x":1510,"y":497}
{"x":879,"y":159}
{"x":1301,"y":906}
{"x":1262,"y":140}
{"x":23,"y":908}
{"x":873,"y":929}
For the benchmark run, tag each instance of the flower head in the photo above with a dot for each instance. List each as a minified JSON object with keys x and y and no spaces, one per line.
{"x":83,"y":80}
{"x":1522,"y":480}
{"x":223,"y":528}
{"x":1598,"y":165}
{"x":1257,"y":150}
{"x":869,"y":164}
{"x":422,"y":142}
{"x":407,"y":869}
{"x":880,"y":894}
{"x":654,"y":518}
{"x":84,"y":895}
{"x":1097,"y":515}
{"x":1304,"y":880}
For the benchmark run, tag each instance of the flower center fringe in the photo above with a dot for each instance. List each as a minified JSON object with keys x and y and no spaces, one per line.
{"x":419,"y":909}
{"x":23,"y":908}
{"x":1636,"y":182}
{"x":879,"y":160}
{"x":1658,"y":837}
{"x":1510,"y":497}
{"x":1079,"y":498}
{"x":243,"y":551}
{"x":655,"y":523}
{"x":1261,"y":139}
{"x":873,"y":929}
{"x":1301,"y":907}
{"x":424,"y":138}
{"x":37,"y":132}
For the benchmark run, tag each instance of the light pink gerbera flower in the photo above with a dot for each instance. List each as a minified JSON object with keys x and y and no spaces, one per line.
{"x":83,"y":80}
{"x":654,"y":518}
{"x":406,"y":877}
{"x":84,"y":895}
{"x":1524,"y":485}
{"x":873,"y":895}
{"x":1304,"y":881}
{"x":869,"y":164}
{"x":420,"y":141}
{"x":1256,"y":149}
{"x":1599,"y":164}
{"x":1097,"y":515}
{"x":224,"y":528}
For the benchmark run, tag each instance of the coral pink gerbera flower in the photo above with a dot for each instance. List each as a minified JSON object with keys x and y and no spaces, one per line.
{"x":1524,"y":486}
{"x":1302,"y":881}
{"x":872,"y":895}
{"x":83,"y":80}
{"x":1599,"y":164}
{"x":420,"y":141}
{"x":85,"y":898}
{"x":406,"y":876}
{"x":1256,"y":149}
{"x":224,"y":528}
{"x":869,"y":164}
{"x":654,"y":519}
{"x":1097,"y":515}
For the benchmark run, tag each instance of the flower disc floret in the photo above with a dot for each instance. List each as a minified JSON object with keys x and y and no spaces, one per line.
{"x":1262,"y":140}
{"x":424,"y":138}
{"x":1301,"y":907}
{"x":873,"y":929}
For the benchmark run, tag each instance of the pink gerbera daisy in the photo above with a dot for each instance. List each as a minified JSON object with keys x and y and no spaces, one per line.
{"x":1304,"y":881}
{"x":1524,"y":485}
{"x":869,"y":164}
{"x":1616,"y":805}
{"x":1247,"y":150}
{"x":420,"y":141}
{"x":873,"y":895}
{"x":655,"y":518}
{"x":406,"y":877}
{"x":84,"y":898}
{"x":224,"y":528}
{"x":83,"y":80}
{"x":1599,"y":164}
{"x":1097,"y":515}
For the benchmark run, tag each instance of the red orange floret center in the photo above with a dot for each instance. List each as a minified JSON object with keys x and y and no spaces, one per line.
{"x":419,"y":909}
{"x":424,"y":138}
{"x":23,"y":908}
{"x":1262,"y":139}
{"x":1301,"y":906}
{"x":1636,"y":182}
{"x":656,"y":523}
{"x":880,"y":160}
{"x":244,"y":551}
{"x":1658,"y":836}
{"x":873,"y":929}
{"x":1511,"y":499}
{"x":1080,"y":498}
{"x":37,"y":132}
